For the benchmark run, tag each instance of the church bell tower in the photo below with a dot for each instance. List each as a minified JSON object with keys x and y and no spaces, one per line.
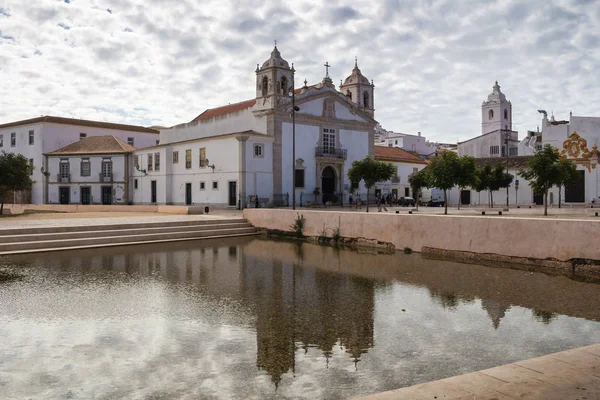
{"x":273,"y":81}
{"x":359,"y":90}
{"x":496,"y":112}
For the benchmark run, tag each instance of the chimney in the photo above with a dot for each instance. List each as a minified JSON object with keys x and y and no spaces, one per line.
{"x":419,"y":134}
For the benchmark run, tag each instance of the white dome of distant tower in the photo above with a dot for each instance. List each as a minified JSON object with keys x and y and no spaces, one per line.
{"x":496,"y":112}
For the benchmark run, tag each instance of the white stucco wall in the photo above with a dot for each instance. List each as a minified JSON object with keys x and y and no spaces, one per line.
{"x":259,"y":170}
{"x":315,"y":108}
{"x":230,"y":123}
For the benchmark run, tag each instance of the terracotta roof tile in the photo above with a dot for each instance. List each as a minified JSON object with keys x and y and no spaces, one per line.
{"x":95,"y":145}
{"x":228,"y":109}
{"x":80,"y":122}
{"x":396,"y":154}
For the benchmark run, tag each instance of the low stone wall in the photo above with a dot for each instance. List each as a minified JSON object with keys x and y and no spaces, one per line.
{"x":75,"y":208}
{"x":523,"y":238}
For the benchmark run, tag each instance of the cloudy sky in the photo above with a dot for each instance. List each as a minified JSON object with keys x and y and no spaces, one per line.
{"x":159,"y":62}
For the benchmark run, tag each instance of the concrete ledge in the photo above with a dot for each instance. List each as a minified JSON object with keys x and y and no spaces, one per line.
{"x":538,"y":238}
{"x":571,"y":374}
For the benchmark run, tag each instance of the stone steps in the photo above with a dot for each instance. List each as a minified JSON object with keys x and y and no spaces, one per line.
{"x":40,"y":239}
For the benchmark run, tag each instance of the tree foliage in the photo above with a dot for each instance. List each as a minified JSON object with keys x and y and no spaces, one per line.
{"x":567,"y":173}
{"x":370,"y":171}
{"x":466,"y":174}
{"x":543,"y":171}
{"x":442,"y":173}
{"x":15,"y":174}
{"x":417,"y":181}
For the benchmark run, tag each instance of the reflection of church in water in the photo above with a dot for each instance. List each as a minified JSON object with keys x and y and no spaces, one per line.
{"x":302,"y":308}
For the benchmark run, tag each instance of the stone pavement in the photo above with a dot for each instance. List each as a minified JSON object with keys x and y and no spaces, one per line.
{"x":568,"y":375}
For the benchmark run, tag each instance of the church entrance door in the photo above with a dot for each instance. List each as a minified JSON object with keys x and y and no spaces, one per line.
{"x":575,"y":191}
{"x":328,"y":184}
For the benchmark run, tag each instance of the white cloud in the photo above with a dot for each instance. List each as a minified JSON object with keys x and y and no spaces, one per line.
{"x":433,"y":62}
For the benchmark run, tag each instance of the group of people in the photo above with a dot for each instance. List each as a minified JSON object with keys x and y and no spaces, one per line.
{"x":382,"y":201}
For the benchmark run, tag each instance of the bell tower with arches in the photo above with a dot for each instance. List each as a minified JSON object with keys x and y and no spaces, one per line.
{"x":273,"y":81}
{"x":496,"y":112}
{"x":359,"y":90}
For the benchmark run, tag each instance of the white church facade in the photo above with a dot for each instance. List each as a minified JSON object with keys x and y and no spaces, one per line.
{"x":241,"y":154}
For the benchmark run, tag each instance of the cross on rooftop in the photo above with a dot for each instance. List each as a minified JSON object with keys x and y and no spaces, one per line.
{"x":327,"y":69}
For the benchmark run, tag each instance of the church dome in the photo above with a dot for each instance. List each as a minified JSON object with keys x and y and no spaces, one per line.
{"x":275,"y":60}
{"x":356,"y":76}
{"x":496,"y":94}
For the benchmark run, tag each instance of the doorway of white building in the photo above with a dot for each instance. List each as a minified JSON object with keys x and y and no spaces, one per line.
{"x":232,"y":193}
{"x":575,"y":191}
{"x":465,"y":197}
{"x":106,"y":195}
{"x":86,"y":195}
{"x":152,"y":191}
{"x":188,"y":194}
{"x":328,"y":184}
{"x":64,"y":194}
{"x":538,"y":199}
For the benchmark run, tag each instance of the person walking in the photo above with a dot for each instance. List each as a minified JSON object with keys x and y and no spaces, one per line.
{"x":350,"y":199}
{"x":381,"y":204}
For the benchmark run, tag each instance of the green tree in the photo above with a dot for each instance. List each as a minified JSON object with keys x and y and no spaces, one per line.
{"x":543,"y":172}
{"x":567,"y":171}
{"x":15,"y":174}
{"x":499,"y":179}
{"x":442,"y":173}
{"x":370,"y":171}
{"x":417,"y":181}
{"x":466,"y":175}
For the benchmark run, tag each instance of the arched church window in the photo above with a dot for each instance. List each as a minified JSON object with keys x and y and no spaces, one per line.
{"x":505,"y":114}
{"x":284,"y":85}
{"x":265,"y":85}
{"x":349,"y":94}
{"x":491,"y":114}
{"x":366,"y":99}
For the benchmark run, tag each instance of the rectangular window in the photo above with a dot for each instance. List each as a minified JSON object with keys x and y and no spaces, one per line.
{"x":415,"y":170}
{"x":130,"y":141}
{"x":13,"y":139}
{"x":65,"y":172}
{"x":258,"y":150}
{"x":82,"y":136}
{"x":157,"y":142}
{"x":31,"y":137}
{"x":136,"y":162}
{"x":135,"y":183}
{"x":299,"y":178}
{"x":215,"y":185}
{"x":157,"y":161}
{"x":1,"y":140}
{"x":503,"y":151}
{"x":149,"y":162}
{"x":31,"y":165}
{"x":203,"y":162}
{"x":329,"y":141}
{"x":106,"y":169}
{"x":85,"y":167}
{"x":202,"y":186}
{"x":175,"y":157}
{"x":188,"y":159}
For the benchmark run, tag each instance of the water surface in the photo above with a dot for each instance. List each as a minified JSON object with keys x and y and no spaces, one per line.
{"x":253,"y":318}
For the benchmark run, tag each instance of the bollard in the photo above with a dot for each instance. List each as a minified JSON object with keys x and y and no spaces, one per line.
{"x":483,"y":213}
{"x":518,"y":206}
{"x":397,"y":212}
{"x":206,"y":210}
{"x":499,"y":212}
{"x":529,"y":206}
{"x":596,"y":214}
{"x":410,"y":212}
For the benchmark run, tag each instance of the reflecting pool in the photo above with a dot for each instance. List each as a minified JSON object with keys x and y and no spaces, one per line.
{"x":254,"y":318}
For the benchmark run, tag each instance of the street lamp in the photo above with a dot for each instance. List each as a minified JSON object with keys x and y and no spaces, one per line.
{"x":507,"y":133}
{"x":292,"y":94}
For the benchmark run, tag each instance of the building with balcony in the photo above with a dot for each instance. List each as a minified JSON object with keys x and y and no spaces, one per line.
{"x":94,"y":170}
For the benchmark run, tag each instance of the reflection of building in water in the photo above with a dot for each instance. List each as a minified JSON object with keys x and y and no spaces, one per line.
{"x":307,"y":308}
{"x":450,"y":300}
{"x":495,"y":310}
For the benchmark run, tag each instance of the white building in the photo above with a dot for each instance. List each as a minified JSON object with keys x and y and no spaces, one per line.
{"x":37,"y":136}
{"x":235,"y":154}
{"x":405,"y":164}
{"x":497,"y":136}
{"x":93,"y":170}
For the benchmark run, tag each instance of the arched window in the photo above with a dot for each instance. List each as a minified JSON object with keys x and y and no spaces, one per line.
{"x":284,"y":85}
{"x":265,"y":85}
{"x":349,"y":94}
{"x":491,"y":114}
{"x":505,"y":114}
{"x":366,"y":99}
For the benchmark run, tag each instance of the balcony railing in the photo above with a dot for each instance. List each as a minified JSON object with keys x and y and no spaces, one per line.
{"x":396,"y":179}
{"x":63,"y":178}
{"x":329,"y":152}
{"x":105,"y":177}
